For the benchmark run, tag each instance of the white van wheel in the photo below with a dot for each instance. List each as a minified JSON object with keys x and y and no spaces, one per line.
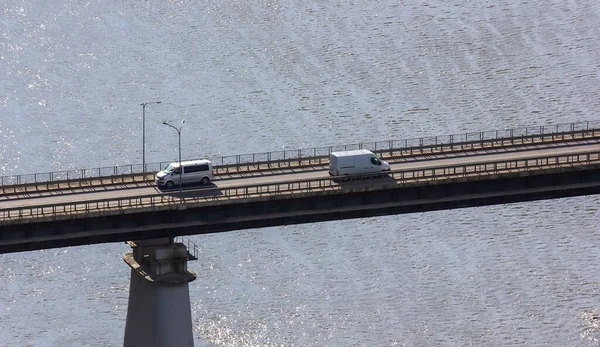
{"x":169,"y":184}
{"x":205,"y":180}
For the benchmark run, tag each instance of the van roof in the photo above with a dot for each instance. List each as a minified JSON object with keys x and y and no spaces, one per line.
{"x":191,"y":162}
{"x":351,"y":152}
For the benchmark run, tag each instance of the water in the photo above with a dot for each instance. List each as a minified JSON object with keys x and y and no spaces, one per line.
{"x":265,"y":76}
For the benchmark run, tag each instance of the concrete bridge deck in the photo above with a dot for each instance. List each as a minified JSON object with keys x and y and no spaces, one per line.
{"x":242,"y":200}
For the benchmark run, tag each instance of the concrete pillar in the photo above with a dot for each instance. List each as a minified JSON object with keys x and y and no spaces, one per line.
{"x":158,"y":314}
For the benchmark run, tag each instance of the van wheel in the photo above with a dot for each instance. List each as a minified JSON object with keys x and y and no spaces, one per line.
{"x":205,"y":180}
{"x":169,"y":184}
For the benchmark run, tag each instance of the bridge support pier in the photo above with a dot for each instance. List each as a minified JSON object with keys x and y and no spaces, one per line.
{"x":159,"y":313}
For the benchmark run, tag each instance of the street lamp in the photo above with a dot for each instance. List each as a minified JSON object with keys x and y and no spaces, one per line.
{"x":144,"y":132}
{"x":179,"y":135}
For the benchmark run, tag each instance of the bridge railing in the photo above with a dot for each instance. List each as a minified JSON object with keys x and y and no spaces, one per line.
{"x":391,"y":179}
{"x":316,"y":152}
{"x":191,"y":247}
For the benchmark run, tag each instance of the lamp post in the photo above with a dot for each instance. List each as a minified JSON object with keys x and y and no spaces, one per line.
{"x":179,"y":135}
{"x":144,"y":132}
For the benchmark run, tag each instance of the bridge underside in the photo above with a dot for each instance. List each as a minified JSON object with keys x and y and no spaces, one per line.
{"x":354,"y":201}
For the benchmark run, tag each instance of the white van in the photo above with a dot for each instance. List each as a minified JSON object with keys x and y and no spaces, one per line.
{"x":195,"y":171}
{"x":355,"y":162}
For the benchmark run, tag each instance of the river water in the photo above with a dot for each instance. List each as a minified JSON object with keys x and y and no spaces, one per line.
{"x":270,"y":75}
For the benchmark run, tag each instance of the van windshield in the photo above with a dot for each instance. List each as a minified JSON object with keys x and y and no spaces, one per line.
{"x":169,"y":169}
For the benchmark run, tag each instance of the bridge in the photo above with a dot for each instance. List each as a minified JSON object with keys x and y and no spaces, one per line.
{"x":122,"y":204}
{"x":278,"y":188}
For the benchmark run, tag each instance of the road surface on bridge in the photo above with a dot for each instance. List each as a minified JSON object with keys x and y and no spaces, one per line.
{"x":272,"y":177}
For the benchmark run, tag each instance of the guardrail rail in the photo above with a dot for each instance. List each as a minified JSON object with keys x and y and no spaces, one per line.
{"x":127,"y":174}
{"x":291,"y":188}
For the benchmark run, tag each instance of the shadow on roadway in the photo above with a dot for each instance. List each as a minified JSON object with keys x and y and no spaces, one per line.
{"x":192,"y":191}
{"x":378,"y":180}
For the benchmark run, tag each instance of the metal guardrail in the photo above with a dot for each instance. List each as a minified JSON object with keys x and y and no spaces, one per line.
{"x":192,"y":248}
{"x":271,"y":157}
{"x":166,"y":202}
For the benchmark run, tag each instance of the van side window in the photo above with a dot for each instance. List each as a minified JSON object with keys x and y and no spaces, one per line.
{"x":190,"y":169}
{"x":375,"y":161}
{"x":196,"y":168}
